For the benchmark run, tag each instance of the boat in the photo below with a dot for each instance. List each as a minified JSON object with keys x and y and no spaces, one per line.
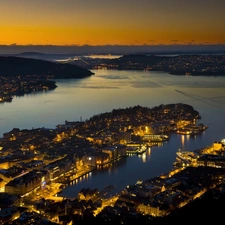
{"x":136,"y":150}
{"x":184,"y":131}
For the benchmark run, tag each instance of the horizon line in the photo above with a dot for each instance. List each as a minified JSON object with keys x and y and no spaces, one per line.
{"x":116,"y":45}
{"x":112,"y":49}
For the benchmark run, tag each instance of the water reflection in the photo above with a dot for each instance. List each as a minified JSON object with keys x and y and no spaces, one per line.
{"x":144,"y":157}
{"x":90,"y":96}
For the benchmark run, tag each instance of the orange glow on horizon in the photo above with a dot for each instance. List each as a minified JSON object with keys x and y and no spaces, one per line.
{"x":56,"y":22}
{"x":95,"y":37}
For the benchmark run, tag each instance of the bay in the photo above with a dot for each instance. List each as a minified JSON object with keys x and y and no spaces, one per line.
{"x":79,"y":99}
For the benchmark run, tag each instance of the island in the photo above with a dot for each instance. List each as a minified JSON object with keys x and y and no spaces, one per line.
{"x":19,"y":76}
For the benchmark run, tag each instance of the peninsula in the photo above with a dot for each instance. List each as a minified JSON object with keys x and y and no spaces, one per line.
{"x":196,"y":65}
{"x":18,"y":66}
{"x":38,"y":163}
{"x":19,"y":76}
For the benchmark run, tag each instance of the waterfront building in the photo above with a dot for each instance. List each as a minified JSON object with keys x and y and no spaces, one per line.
{"x":27,"y":183}
{"x":211,"y":161}
{"x":111,"y":151}
{"x":102,"y":158}
{"x":60,"y":167}
{"x":89,"y":160}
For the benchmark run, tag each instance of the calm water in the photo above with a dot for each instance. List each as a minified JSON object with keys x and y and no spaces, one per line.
{"x":110,"y":89}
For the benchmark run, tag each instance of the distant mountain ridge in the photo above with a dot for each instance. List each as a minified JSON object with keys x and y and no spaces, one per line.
{"x":114,"y":49}
{"x":30,"y":54}
{"x":15,"y":66}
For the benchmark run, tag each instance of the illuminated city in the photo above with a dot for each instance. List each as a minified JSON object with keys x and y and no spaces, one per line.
{"x":37,"y":167}
{"x":112,"y":112}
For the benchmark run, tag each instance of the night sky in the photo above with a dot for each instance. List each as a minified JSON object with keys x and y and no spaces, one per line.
{"x":112,"y":22}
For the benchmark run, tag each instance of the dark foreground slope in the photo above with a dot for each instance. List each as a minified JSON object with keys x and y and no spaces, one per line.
{"x":16,"y":66}
{"x":208,"y":209}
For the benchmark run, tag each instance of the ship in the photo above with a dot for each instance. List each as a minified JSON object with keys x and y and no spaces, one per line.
{"x":192,"y":129}
{"x":155,"y":137}
{"x":136,"y":150}
{"x":186,"y":156}
{"x":184,"y":131}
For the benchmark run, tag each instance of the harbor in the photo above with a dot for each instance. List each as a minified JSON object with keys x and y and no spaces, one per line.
{"x":214,"y":152}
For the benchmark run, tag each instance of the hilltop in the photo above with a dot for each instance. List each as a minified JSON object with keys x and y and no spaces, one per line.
{"x":18,"y":66}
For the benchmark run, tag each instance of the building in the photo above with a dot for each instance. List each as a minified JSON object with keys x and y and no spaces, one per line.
{"x":27,"y":183}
